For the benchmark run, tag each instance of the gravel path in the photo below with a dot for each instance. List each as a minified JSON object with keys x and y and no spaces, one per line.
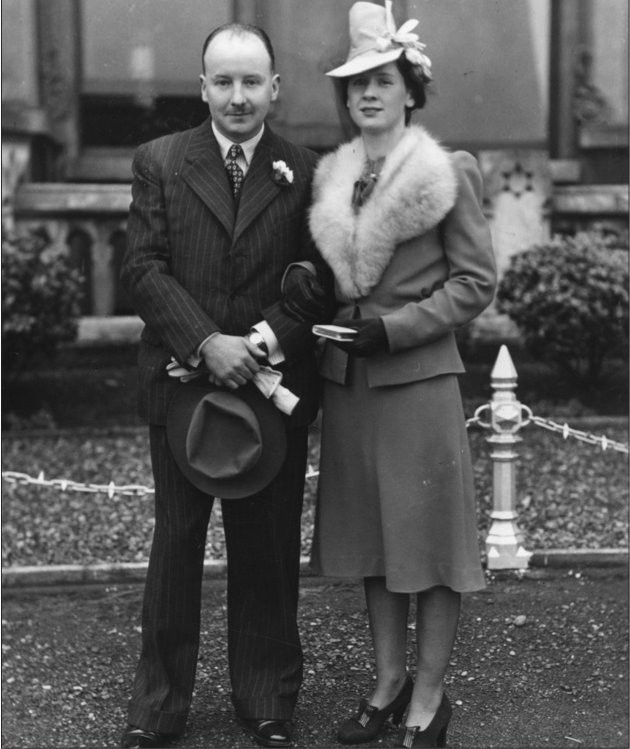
{"x":540,"y":661}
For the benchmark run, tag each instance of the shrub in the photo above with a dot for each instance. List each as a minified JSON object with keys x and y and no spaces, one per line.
{"x":41,"y":295}
{"x":569,"y":298}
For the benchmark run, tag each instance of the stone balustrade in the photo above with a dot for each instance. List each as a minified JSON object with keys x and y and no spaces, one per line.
{"x":90,"y":221}
{"x":579,"y":207}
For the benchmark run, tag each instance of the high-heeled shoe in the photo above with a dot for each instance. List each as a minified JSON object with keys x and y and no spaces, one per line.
{"x":369,"y":720}
{"x":434,"y":735}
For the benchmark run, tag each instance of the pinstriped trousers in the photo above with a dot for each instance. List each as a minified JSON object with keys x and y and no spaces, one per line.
{"x":262,"y":536}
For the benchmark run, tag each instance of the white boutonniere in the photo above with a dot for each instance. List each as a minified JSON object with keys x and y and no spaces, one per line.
{"x":282,"y":175}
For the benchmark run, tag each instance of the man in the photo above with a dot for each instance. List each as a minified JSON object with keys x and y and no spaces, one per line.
{"x":211,"y":230}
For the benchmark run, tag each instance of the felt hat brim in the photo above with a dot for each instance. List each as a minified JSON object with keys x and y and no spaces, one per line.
{"x":365,"y":61}
{"x":186,"y":401}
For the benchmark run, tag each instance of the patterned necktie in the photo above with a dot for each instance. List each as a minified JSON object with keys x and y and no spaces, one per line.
{"x":235,"y":173}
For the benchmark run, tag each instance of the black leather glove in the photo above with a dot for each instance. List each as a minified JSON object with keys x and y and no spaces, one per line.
{"x":371,"y":338}
{"x":304,"y":298}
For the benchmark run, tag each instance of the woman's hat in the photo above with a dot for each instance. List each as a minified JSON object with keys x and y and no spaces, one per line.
{"x":374,"y":41}
{"x":228,"y":443}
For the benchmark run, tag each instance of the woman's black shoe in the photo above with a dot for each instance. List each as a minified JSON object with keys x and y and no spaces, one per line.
{"x":434,"y":735}
{"x":369,"y":720}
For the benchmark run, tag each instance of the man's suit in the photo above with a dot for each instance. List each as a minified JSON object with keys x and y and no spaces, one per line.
{"x":199,"y":263}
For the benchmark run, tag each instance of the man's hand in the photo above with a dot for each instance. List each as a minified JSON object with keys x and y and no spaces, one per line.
{"x":231,"y":360}
{"x":304,"y":298}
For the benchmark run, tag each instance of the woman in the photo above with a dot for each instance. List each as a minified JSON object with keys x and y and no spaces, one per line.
{"x":398,"y":219}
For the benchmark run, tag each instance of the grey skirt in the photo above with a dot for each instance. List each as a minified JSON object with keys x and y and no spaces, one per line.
{"x":396,"y":495}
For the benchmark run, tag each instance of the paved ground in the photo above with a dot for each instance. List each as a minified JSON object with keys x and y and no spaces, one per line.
{"x":540,"y":661}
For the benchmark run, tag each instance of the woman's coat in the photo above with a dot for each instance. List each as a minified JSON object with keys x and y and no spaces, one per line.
{"x":418,"y":253}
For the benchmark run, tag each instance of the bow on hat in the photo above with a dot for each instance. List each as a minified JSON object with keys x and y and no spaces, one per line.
{"x":412,"y":46}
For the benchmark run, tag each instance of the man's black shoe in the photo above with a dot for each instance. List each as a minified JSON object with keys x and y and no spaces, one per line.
{"x":136,"y":738}
{"x":273,"y":733}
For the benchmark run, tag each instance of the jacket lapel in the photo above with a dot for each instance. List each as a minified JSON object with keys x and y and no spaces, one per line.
{"x":259,"y":189}
{"x":205,"y":173}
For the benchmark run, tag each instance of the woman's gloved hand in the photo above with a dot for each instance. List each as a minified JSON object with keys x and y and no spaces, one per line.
{"x":371,"y":338}
{"x":304,"y":298}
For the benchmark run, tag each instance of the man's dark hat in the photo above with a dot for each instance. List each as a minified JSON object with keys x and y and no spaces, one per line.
{"x":228,"y":443}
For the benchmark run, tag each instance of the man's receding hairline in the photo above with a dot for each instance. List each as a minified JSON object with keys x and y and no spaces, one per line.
{"x":240,"y":32}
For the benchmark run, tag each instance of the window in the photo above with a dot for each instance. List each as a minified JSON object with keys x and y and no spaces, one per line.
{"x":140,"y":63}
{"x":603,"y":106}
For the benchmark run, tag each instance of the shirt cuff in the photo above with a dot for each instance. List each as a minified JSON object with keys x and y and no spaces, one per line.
{"x":276,"y":355}
{"x":306,"y":264}
{"x":195,"y":359}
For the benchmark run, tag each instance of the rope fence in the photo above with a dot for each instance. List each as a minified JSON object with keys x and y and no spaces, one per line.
{"x":504,"y":416}
{"x":138,"y":490}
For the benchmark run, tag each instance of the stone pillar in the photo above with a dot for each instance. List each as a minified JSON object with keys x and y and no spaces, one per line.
{"x":517,"y":203}
{"x":59,"y":72}
{"x":22,"y":115}
{"x":568,"y":29}
{"x":16,"y":156}
{"x":103,"y":281}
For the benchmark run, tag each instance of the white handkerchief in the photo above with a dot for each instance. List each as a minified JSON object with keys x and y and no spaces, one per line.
{"x":268,"y":380}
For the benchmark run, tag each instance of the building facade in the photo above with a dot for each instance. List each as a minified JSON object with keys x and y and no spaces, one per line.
{"x":536,"y":89}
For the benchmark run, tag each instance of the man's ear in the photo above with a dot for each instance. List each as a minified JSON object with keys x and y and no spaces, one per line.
{"x":204,"y":96}
{"x":275,"y":87}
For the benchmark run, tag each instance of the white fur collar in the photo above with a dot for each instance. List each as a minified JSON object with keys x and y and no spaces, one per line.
{"x":416,"y":189}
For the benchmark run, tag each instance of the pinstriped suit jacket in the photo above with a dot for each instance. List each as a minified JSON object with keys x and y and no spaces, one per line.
{"x":194,"y":265}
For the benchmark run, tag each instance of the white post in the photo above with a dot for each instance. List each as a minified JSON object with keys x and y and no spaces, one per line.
{"x":504,"y":543}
